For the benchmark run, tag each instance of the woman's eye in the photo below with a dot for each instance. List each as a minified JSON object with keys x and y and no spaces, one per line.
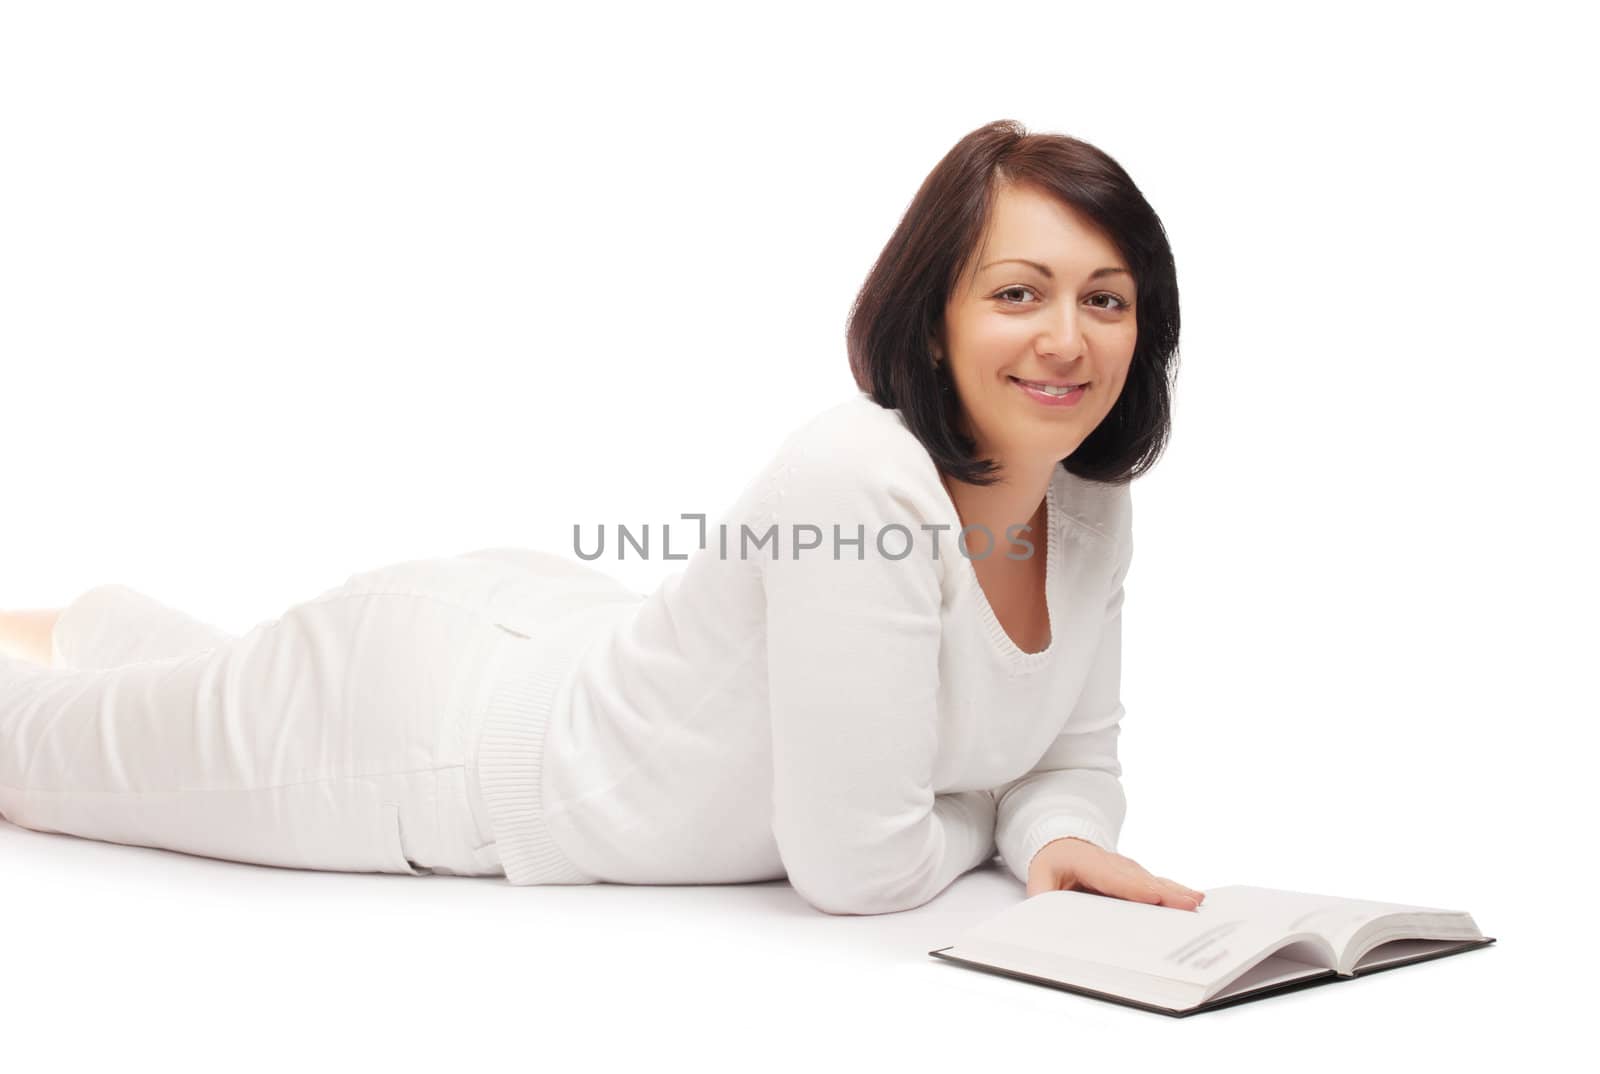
{"x":1019,"y":289}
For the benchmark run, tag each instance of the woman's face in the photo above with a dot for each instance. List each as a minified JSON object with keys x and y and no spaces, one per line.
{"x":1068,"y":318}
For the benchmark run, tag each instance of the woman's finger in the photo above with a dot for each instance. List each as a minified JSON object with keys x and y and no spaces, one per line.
{"x":1198,"y":896}
{"x":1122,"y":879}
{"x":1127,"y":880}
{"x":1174,"y":894}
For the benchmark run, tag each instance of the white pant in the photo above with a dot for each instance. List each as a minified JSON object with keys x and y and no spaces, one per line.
{"x":341,"y":735}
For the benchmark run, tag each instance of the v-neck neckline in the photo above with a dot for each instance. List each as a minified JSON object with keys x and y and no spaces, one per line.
{"x":1013,"y":654}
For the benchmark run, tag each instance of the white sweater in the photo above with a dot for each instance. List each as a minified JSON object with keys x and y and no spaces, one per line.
{"x":863,"y":726}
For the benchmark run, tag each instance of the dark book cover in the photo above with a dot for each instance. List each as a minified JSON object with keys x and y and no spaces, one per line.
{"x":1246,"y":996}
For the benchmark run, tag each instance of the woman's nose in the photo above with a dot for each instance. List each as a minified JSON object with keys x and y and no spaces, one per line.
{"x":1062,"y":336}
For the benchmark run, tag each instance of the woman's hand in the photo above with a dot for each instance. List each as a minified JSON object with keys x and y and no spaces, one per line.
{"x":1076,"y":864}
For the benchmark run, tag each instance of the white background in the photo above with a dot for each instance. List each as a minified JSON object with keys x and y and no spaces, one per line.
{"x":291,"y":290}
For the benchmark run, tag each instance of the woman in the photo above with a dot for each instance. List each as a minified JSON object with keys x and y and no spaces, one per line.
{"x":855,"y":682}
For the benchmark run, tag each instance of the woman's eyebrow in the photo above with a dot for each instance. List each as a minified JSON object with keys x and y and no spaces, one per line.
{"x":1044,"y":270}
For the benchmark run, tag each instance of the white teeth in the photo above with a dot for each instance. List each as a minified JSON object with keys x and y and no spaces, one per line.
{"x":1048,"y":389}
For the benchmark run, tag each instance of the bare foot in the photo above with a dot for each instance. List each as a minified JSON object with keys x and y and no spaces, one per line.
{"x":27,"y":635}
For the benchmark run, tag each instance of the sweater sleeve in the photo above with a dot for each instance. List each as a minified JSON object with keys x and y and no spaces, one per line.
{"x":1075,"y":789}
{"x":853,"y":673}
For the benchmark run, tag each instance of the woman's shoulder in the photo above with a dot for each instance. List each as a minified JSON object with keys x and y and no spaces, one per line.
{"x":858,"y":448}
{"x":1104,"y":510}
{"x":858,"y":442}
{"x":855,"y":425}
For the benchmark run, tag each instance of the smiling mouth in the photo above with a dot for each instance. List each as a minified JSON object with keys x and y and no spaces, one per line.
{"x":1059,"y":390}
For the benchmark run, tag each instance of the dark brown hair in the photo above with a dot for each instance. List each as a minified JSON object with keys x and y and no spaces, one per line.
{"x":899,"y":313}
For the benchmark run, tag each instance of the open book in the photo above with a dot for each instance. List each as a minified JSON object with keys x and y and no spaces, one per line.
{"x":1241,"y":944}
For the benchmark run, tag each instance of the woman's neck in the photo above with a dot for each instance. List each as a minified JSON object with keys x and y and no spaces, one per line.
{"x":1015,"y":500}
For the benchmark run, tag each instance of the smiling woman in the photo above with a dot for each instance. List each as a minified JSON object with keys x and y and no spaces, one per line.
{"x":1023,"y":319}
{"x":1024,"y":257}
{"x":866,"y":721}
{"x":1038,"y":355}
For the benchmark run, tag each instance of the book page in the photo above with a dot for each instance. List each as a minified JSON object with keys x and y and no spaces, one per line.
{"x":1230,"y":931}
{"x":1242,"y":938}
{"x":1335,"y":919}
{"x":1401,"y":951}
{"x":1277,"y":969}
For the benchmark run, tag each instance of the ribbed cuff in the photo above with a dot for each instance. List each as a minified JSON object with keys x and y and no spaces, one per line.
{"x":511,"y":767}
{"x":1049,"y":829}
